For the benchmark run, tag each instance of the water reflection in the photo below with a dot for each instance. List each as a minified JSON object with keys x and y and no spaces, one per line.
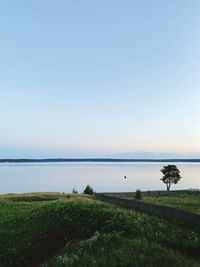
{"x":59,"y":177}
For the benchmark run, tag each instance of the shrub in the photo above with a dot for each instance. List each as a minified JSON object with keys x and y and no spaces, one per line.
{"x":138,"y":194}
{"x":88,"y":190}
{"x":74,"y":191}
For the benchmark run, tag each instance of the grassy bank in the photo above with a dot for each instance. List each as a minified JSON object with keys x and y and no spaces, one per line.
{"x":75,"y":230}
{"x":184,"y":201}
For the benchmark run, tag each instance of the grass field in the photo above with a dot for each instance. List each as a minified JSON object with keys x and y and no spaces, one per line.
{"x":52,"y":229}
{"x":184,"y":201}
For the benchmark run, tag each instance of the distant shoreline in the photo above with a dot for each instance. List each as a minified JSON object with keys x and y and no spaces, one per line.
{"x":93,"y":160}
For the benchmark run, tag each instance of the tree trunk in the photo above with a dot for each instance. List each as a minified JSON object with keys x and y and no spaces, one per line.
{"x":168,"y":187}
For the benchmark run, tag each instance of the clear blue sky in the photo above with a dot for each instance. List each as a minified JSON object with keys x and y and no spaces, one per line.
{"x":85,"y":78}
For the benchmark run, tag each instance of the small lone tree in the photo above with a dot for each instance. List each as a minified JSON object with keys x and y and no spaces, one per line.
{"x":171,"y":175}
{"x":88,"y":190}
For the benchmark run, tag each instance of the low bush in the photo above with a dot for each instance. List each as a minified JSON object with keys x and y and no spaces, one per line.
{"x":88,"y":190}
{"x":74,"y":191}
{"x":138,"y":194}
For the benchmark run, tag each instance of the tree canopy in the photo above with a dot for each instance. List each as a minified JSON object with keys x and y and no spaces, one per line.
{"x":171,"y":175}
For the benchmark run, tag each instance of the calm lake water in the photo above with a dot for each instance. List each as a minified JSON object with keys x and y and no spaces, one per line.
{"x":103,"y":177}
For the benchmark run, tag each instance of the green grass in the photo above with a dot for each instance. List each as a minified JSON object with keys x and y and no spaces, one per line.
{"x":75,"y":230}
{"x":184,"y":201}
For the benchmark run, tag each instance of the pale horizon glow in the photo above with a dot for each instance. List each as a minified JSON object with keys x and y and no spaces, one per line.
{"x":87,"y":78}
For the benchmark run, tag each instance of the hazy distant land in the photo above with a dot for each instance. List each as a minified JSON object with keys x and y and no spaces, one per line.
{"x":94,"y":160}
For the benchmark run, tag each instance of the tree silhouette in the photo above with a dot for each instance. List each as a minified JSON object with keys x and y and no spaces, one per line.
{"x":88,"y":190}
{"x":171,"y":175}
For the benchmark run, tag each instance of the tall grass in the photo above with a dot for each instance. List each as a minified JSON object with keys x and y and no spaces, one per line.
{"x":184,"y":201}
{"x":76,"y":230}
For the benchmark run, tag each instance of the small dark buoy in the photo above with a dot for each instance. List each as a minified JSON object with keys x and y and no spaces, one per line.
{"x":124,"y":177}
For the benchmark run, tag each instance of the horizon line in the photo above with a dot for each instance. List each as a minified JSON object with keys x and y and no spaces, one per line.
{"x":24,"y":160}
